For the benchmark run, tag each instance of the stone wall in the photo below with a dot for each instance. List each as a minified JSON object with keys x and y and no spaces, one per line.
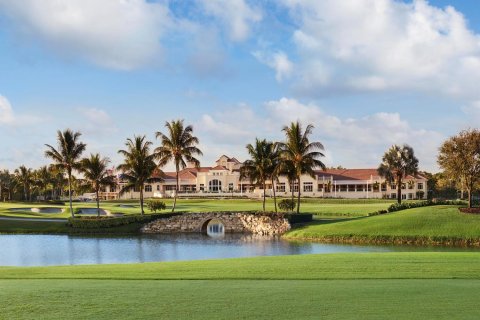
{"x":233,"y":222}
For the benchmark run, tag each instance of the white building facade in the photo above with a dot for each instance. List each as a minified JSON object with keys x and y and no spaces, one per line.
{"x":223,"y":179}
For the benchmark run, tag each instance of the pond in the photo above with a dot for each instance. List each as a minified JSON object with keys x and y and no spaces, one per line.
{"x":44,"y":250}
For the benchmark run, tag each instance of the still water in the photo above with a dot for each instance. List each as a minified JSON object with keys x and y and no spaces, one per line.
{"x":44,"y":250}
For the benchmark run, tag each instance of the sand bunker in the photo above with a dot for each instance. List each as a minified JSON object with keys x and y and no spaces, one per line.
{"x":38,"y":210}
{"x":93,"y":211}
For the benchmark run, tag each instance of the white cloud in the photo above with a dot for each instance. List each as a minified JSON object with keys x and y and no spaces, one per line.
{"x":110,"y":33}
{"x":6,"y":111}
{"x":96,"y":121}
{"x":278,"y":61}
{"x":10,"y":118}
{"x":351,"y":142}
{"x":237,"y":15}
{"x":367,"y":45}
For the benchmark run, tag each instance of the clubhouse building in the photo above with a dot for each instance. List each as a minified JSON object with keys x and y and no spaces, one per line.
{"x":223,"y":179}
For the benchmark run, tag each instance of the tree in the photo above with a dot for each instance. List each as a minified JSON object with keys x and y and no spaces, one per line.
{"x":398,"y":163}
{"x":8,"y":183}
{"x":43,"y":179}
{"x":24,"y":178}
{"x":459,"y":157}
{"x":179,"y":146}
{"x":138,"y":166}
{"x":260,"y":166}
{"x":299,"y":154}
{"x":96,"y":173}
{"x":67,"y":156}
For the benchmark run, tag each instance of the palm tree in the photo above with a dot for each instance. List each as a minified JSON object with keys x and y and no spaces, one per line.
{"x":301,"y":155}
{"x":275,"y":170}
{"x":43,"y":179}
{"x":95,"y":172}
{"x":8,"y":182}
{"x":179,"y":146}
{"x":138,"y":166}
{"x":260,"y":165}
{"x":67,"y":157}
{"x":397,"y":163}
{"x":24,"y":177}
{"x":58,"y":181}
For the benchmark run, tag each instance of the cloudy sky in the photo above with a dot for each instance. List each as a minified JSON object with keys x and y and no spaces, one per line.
{"x":366,"y":73}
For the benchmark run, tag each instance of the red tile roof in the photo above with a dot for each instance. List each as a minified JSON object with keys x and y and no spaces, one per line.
{"x":353,"y":174}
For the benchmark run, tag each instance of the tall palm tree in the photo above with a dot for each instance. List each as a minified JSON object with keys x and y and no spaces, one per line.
{"x":67,"y":156}
{"x":95,"y":172}
{"x":275,"y":170}
{"x":397,"y":163}
{"x":138,"y":166}
{"x":179,"y":146}
{"x":299,"y":154}
{"x":260,"y":166}
{"x":24,"y":177}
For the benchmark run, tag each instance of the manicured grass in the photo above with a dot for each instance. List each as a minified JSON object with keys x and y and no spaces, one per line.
{"x":435,"y":224}
{"x":324,"y":207}
{"x":370,"y":286}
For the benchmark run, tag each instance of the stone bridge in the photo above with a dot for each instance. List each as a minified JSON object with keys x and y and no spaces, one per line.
{"x":233,"y":222}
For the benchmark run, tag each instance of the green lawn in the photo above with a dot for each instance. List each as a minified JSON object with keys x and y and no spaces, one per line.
{"x":442,"y":224}
{"x":339,"y":286}
{"x":323,"y":207}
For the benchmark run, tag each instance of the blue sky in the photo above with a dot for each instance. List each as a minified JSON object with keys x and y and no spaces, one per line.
{"x":366,"y":73}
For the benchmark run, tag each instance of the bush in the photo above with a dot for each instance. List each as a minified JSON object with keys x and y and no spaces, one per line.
{"x":156,"y":205}
{"x":93,"y":222}
{"x":299,"y":218}
{"x":287,"y":204}
{"x":409,"y":205}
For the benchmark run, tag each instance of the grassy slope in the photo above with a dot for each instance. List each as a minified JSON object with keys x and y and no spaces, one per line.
{"x":412,"y":286}
{"x":428,"y":224}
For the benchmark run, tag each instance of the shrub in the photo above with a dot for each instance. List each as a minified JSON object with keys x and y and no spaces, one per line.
{"x":156,"y":205}
{"x":299,"y":218}
{"x":287,"y":204}
{"x":409,"y":205}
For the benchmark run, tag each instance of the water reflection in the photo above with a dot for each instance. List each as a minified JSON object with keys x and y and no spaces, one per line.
{"x":32,"y":250}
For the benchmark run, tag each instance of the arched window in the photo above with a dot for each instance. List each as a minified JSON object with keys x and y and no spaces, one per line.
{"x":215,"y":185}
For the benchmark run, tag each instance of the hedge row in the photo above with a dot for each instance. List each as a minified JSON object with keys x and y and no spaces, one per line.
{"x":409,"y":205}
{"x":109,"y":222}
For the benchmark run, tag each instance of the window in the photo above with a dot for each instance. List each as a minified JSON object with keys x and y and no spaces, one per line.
{"x":230,"y":187}
{"x":351,"y":188}
{"x":404,"y":196}
{"x":281,"y":187}
{"x":393,"y":186}
{"x":393,"y":195}
{"x":294,"y":187}
{"x":158,"y":187}
{"x":360,"y":187}
{"x":384,"y":187}
{"x":170,"y":188}
{"x":404,"y":186}
{"x":343,"y":187}
{"x":202,"y":187}
{"x":148,"y":188}
{"x":113,"y":189}
{"x":136,"y":189}
{"x":307,"y":187}
{"x":410,"y":196}
{"x":215,"y":186}
{"x":420,"y":186}
{"x":410,"y":185}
